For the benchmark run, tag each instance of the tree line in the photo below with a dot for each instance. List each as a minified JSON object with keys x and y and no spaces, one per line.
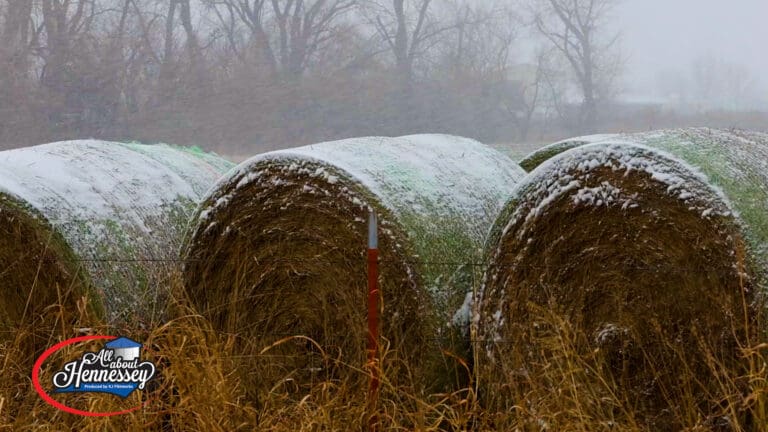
{"x":243,"y":75}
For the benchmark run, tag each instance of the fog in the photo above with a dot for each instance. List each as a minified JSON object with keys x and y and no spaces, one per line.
{"x":240,"y":76}
{"x":662,"y":36}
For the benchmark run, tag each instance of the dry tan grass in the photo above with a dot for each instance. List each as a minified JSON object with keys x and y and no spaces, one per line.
{"x":194,"y":389}
{"x":198,"y":389}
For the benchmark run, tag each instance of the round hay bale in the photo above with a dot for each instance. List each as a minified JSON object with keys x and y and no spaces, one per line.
{"x":535,"y":158}
{"x":93,"y":219}
{"x":645,"y":254}
{"x":279,"y":250}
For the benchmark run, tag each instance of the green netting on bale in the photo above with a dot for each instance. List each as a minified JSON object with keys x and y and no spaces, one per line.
{"x":649,"y":251}
{"x":535,"y":158}
{"x":733,"y":161}
{"x":95,"y":219}
{"x":279,"y":249}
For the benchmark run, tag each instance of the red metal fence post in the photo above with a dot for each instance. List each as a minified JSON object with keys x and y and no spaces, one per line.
{"x":373,"y":317}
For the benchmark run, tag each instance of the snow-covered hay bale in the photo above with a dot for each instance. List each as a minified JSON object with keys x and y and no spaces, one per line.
{"x":279,"y":249}
{"x":535,"y":158}
{"x":93,"y":219}
{"x":652,"y":246}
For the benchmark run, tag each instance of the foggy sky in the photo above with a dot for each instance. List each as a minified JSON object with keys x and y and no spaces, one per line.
{"x":660,"y":35}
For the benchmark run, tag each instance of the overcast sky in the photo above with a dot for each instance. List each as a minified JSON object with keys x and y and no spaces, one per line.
{"x":663,"y":35}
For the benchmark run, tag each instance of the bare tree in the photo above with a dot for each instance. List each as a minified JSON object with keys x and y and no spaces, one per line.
{"x":194,"y":54}
{"x":286,"y":33}
{"x":482,"y":40}
{"x":16,"y":41}
{"x":193,"y":46}
{"x":408,"y":31}
{"x":532,"y":96}
{"x":263,"y":74}
{"x":574,"y":28}
{"x":251,"y":14}
{"x":16,"y":23}
{"x":16,"y":36}
{"x":66,"y":52}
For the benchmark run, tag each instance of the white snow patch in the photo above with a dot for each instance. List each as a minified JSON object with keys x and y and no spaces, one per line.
{"x":609,"y":332}
{"x":440,"y":174}
{"x":603,"y":194}
{"x":462,"y":316}
{"x":98,"y":180}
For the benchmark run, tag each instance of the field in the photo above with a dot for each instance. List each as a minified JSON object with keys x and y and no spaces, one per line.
{"x":689,"y":354}
{"x":198,"y":389}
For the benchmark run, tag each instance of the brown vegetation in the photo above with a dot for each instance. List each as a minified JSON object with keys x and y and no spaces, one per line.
{"x":197,"y":389}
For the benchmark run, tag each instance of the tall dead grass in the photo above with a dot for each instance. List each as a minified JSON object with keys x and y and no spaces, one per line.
{"x":197,"y":389}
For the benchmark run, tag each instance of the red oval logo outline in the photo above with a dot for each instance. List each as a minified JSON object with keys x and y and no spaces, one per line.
{"x":56,"y":404}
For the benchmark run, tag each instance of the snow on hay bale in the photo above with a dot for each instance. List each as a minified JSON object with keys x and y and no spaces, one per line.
{"x":279,"y":247}
{"x":535,"y":158}
{"x":652,"y":245}
{"x":96,"y":219}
